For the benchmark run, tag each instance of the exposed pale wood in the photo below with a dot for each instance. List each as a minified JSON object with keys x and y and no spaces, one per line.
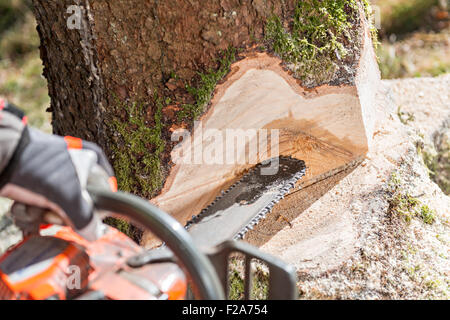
{"x":328,"y":127}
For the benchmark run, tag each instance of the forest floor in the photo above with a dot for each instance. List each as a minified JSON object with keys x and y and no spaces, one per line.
{"x":21,"y":80}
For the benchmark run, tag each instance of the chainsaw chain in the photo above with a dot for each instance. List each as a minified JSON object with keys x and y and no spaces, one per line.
{"x":284,"y":190}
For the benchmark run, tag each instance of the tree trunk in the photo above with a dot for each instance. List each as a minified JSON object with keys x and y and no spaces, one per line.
{"x":131,"y":73}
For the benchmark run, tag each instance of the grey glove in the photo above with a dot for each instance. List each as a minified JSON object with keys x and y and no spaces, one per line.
{"x":52,"y":173}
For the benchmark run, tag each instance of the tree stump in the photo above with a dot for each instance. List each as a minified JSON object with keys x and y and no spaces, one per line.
{"x":141,"y":77}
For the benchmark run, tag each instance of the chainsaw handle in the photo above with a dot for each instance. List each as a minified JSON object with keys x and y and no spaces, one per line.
{"x":168,"y":230}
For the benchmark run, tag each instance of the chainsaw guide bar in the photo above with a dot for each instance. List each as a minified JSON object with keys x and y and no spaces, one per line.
{"x":242,"y":206}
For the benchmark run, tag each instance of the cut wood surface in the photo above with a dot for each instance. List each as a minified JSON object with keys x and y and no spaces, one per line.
{"x":328,"y":127}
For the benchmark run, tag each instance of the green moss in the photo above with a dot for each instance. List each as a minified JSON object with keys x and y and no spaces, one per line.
{"x":120,"y":224}
{"x":405,"y":117}
{"x":319,"y":38}
{"x":125,"y":227}
{"x":316,"y":41}
{"x":236,"y":283}
{"x":202,"y":93}
{"x":418,"y":55}
{"x":259,"y":283}
{"x":402,"y":204}
{"x":260,"y":287}
{"x":391,"y":66}
{"x":136,"y":156}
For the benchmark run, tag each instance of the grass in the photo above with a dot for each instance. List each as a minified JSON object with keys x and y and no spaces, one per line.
{"x":260,"y":282}
{"x":137,"y":155}
{"x":313,"y":43}
{"x":423,"y":49}
{"x":427,"y":215}
{"x":418,"y":55}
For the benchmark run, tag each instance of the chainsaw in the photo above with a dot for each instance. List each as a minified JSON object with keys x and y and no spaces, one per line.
{"x":193,"y":262}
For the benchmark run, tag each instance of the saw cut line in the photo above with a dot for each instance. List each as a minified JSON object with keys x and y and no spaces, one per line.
{"x":239,"y":208}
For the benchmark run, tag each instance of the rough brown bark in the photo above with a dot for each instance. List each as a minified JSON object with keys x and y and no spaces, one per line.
{"x":72,"y":70}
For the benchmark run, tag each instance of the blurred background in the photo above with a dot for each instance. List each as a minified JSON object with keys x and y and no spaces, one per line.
{"x":414,"y":36}
{"x":414,"y":42}
{"x":21,"y":79}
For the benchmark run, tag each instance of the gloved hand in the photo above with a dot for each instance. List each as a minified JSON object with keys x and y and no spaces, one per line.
{"x":30,"y":219}
{"x":52,"y":173}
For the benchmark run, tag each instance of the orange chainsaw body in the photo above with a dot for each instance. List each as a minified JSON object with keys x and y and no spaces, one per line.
{"x":59,"y":264}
